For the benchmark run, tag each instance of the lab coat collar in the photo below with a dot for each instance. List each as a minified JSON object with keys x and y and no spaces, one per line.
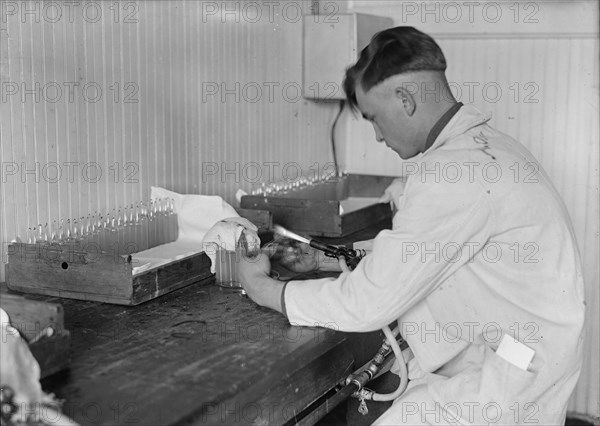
{"x":465,"y":119}
{"x":441,"y":123}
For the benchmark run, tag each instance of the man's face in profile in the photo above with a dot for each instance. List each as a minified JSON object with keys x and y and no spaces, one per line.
{"x":386,"y":109}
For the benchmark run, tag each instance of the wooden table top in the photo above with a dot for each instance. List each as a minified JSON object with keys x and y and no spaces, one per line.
{"x":201,"y":354}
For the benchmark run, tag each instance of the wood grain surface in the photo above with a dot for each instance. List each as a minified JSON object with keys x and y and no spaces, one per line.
{"x":68,"y":270}
{"x":200,"y":354}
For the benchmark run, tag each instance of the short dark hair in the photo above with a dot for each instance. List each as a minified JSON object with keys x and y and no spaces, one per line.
{"x":390,"y":52}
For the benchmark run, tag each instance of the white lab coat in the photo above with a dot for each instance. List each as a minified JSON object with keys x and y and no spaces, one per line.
{"x":481,"y":246}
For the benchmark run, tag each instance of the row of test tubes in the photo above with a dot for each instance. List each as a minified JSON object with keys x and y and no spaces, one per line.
{"x":136,"y":222}
{"x":285,"y":186}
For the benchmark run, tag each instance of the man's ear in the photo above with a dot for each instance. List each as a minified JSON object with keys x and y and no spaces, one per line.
{"x":407,"y":99}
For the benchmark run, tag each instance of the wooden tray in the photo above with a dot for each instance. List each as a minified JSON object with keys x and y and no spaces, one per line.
{"x":64,"y":270}
{"x":315,"y":209}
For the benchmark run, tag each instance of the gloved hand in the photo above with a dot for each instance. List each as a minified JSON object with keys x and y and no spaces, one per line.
{"x":231,"y":234}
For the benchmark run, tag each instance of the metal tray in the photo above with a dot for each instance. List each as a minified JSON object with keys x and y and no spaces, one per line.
{"x":335,"y":208}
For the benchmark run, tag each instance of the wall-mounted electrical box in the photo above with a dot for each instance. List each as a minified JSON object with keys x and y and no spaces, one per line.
{"x":332,"y":44}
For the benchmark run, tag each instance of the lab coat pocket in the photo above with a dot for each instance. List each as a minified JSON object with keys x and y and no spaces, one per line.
{"x":490,"y":390}
{"x":507,"y":392}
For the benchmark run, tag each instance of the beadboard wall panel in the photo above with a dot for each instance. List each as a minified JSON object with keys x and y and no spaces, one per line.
{"x":155,"y":123}
{"x":116,"y":97}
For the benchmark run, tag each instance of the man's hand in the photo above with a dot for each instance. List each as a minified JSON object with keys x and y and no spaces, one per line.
{"x":253,"y":266}
{"x":253,"y":273}
{"x":295,"y":256}
{"x":300,"y":257}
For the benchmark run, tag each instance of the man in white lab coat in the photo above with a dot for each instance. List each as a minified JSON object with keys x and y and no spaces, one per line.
{"x":481,"y":250}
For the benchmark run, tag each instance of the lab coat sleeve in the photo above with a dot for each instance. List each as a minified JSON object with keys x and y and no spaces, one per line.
{"x":439,"y":227}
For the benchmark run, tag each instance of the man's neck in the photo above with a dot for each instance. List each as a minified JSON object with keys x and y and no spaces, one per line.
{"x":442,"y":120}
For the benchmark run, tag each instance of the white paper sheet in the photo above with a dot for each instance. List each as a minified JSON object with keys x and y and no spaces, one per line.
{"x":196,"y":214}
{"x":163,"y":254}
{"x":351,"y":204}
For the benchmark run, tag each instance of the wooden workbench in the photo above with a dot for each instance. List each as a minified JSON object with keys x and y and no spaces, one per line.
{"x":199,"y":355}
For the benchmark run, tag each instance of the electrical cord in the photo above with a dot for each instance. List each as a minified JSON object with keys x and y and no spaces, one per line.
{"x":334,"y":125}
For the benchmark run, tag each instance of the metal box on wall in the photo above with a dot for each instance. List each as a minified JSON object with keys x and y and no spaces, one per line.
{"x":332,"y":43}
